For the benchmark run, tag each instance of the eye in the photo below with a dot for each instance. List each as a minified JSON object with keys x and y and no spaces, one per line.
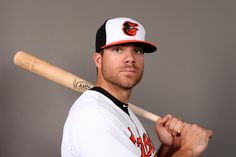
{"x":139,"y":50}
{"x":117,"y":49}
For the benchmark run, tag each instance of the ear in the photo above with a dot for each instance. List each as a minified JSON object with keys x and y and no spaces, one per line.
{"x":97,"y":59}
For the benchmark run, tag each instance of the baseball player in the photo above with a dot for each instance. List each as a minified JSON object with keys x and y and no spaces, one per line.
{"x":100,"y":123}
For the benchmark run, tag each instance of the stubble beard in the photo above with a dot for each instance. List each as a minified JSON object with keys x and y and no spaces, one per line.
{"x":120,"y":81}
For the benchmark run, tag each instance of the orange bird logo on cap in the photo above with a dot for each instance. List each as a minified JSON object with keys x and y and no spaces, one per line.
{"x":130,"y":28}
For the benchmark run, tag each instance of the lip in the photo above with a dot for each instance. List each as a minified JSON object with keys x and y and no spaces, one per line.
{"x":129,"y":71}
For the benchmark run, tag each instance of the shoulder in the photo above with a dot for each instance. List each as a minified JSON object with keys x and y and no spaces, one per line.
{"x":90,"y":117}
{"x":90,"y":103}
{"x":91,"y":110}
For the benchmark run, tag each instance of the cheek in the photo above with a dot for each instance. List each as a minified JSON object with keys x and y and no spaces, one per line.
{"x":110,"y":64}
{"x":140,"y":62}
{"x":113,"y":62}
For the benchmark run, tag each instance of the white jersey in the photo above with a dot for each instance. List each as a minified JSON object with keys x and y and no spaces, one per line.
{"x":97,"y":127}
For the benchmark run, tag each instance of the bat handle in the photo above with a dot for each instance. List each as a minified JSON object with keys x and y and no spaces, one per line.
{"x":143,"y":113}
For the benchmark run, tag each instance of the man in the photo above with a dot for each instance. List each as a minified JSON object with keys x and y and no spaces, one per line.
{"x":100,"y":123}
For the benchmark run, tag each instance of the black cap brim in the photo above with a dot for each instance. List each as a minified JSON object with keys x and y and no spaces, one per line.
{"x":147,"y":47}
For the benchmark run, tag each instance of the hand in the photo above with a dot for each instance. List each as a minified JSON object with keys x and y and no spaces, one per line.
{"x":194,"y":138}
{"x":167,"y":129}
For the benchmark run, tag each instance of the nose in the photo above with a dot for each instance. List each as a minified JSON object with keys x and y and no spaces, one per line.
{"x":130,"y":57}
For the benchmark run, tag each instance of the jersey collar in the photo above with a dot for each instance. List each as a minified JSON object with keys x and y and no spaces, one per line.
{"x":118,"y":103}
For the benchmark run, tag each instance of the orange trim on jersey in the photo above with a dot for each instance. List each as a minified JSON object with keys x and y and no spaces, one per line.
{"x":144,"y":143}
{"x":132,"y":137}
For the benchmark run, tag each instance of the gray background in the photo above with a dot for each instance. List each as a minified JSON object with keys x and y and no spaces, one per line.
{"x":192,"y":76}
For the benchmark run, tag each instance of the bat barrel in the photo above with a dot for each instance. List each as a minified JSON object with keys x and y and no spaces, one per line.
{"x":50,"y":72}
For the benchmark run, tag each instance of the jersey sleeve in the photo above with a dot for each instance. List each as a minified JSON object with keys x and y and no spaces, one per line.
{"x":95,"y":133}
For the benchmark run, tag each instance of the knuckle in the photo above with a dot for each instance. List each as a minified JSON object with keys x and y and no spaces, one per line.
{"x":195,"y":126}
{"x":175,"y":118}
{"x":169,"y":115}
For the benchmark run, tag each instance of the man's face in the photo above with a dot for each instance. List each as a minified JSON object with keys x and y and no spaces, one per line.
{"x":122,"y":65}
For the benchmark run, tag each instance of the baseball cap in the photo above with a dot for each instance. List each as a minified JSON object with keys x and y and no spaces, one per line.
{"x":122,"y":30}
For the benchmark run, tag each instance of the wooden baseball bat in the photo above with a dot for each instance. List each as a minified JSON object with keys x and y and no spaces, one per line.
{"x":65,"y":78}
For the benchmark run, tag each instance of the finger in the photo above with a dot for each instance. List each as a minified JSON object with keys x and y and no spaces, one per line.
{"x":179,"y":126}
{"x":168,"y":122}
{"x":176,"y":126}
{"x":185,"y":128}
{"x":163,"y":120}
{"x":209,"y":133}
{"x":173,"y":123}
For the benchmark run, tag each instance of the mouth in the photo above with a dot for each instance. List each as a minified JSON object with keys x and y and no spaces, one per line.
{"x":129,"y":72}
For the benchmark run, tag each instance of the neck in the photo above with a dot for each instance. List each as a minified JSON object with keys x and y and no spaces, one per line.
{"x":118,"y":92}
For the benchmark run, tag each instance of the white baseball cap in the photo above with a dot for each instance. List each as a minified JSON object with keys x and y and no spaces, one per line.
{"x":120,"y":31}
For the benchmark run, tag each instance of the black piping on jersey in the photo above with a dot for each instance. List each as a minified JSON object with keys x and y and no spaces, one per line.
{"x":118,"y":103}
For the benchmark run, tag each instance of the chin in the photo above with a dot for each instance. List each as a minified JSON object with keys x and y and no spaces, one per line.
{"x":129,"y":85}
